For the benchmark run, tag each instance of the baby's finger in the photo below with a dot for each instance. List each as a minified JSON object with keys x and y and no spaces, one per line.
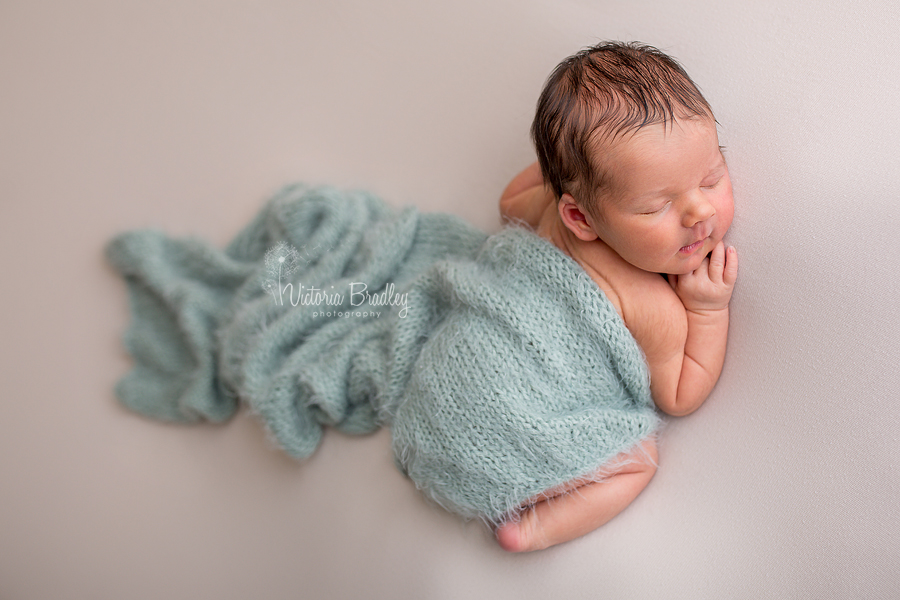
{"x":731,"y":266}
{"x":717,"y":263}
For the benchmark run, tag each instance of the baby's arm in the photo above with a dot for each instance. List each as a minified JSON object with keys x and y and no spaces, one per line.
{"x":526,"y":197}
{"x":682,"y":377}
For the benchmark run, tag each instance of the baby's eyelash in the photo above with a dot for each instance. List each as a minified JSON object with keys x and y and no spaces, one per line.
{"x":653,"y":212}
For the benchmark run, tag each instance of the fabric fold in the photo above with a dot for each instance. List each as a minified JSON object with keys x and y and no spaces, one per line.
{"x":499,"y":365}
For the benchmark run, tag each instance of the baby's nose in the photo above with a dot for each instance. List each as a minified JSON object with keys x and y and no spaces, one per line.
{"x":698,"y":210}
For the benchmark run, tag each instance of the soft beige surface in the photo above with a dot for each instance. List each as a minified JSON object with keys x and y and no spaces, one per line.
{"x":187,"y":114}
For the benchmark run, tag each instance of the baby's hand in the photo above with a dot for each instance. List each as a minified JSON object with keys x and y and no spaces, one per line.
{"x":709,"y":287}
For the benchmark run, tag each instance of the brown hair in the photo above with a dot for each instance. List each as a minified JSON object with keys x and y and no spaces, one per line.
{"x":601,"y":92}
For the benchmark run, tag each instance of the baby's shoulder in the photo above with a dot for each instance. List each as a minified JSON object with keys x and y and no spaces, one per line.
{"x":644,"y":300}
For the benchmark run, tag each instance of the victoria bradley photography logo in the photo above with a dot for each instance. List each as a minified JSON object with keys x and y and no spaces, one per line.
{"x":283,"y":260}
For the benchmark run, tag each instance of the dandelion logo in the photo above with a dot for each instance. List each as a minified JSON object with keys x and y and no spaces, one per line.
{"x":281,"y":260}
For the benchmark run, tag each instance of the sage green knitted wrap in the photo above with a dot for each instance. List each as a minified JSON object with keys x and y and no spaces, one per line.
{"x":501,"y":368}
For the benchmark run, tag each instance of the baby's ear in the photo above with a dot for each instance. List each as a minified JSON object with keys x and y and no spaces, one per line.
{"x":574,"y":219}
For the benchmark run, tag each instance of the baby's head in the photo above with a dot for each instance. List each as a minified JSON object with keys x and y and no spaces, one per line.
{"x":629,"y":146}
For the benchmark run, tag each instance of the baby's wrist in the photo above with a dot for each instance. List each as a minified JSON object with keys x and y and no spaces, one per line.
{"x":703,"y":302}
{"x":707,"y":311}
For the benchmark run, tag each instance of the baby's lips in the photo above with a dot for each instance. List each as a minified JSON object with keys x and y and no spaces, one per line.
{"x":692,"y":247}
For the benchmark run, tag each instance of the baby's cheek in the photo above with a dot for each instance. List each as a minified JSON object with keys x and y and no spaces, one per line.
{"x":725,"y":213}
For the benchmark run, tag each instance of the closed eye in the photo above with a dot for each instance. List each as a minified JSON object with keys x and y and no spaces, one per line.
{"x":658,"y":210}
{"x":709,"y":187}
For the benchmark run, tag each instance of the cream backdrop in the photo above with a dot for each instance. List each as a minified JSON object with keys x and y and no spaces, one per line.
{"x":187,"y":114}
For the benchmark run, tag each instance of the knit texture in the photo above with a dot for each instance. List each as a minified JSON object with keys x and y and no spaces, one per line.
{"x":501,"y":368}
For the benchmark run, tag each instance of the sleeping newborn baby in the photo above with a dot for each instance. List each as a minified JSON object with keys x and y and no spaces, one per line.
{"x":520,"y":373}
{"x":631,"y":183}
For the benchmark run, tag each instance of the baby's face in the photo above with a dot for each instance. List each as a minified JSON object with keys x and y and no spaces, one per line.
{"x":670,"y":200}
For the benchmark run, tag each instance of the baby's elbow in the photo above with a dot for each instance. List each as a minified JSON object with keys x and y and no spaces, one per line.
{"x":505,"y":207}
{"x":678,"y":411}
{"x":515,"y":207}
{"x":667,"y":405}
{"x":682,"y":403}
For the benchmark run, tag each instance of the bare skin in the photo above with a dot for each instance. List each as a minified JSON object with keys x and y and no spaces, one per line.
{"x":666,"y":212}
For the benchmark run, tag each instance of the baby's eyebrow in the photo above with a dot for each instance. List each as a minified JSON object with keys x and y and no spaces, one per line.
{"x":721,"y":162}
{"x":651,"y":194}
